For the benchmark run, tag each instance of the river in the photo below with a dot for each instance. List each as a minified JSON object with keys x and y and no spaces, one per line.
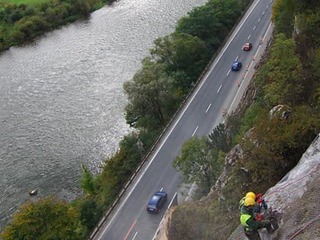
{"x":62,"y":99}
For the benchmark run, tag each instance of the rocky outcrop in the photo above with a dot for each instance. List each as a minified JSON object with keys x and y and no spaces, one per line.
{"x":296,"y":197}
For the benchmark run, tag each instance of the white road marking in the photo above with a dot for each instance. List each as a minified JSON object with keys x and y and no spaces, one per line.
{"x":194,"y":132}
{"x":160,"y":224}
{"x":219,"y":88}
{"x":177,"y":121}
{"x":228,"y":72}
{"x":236,"y":58}
{"x":263,"y":13}
{"x":254,"y":28}
{"x":135,"y":235}
{"x":259,"y":19}
{"x":249,"y":36}
{"x":208,"y":108}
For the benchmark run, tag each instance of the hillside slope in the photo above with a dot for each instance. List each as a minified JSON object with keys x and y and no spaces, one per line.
{"x":296,"y":196}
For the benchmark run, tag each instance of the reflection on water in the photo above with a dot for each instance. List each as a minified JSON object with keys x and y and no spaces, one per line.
{"x":62,"y":99}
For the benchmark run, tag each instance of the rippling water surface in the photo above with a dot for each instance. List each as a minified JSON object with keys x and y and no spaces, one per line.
{"x":62,"y":99}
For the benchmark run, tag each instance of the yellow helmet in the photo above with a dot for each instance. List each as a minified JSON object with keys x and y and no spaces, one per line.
{"x":251,"y":195}
{"x":249,"y":201}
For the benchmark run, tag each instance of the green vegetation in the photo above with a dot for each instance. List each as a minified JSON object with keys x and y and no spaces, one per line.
{"x":21,"y":22}
{"x":49,"y":218}
{"x":271,"y":144}
{"x":199,"y":163}
{"x":26,"y":2}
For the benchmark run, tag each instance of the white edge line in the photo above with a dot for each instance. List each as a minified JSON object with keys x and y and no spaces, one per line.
{"x":169,"y":206}
{"x":264,"y":35}
{"x":179,"y":118}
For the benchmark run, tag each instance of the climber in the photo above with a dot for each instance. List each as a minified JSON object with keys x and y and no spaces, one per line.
{"x":260,"y":202}
{"x":249,"y":221}
{"x":248,"y":194}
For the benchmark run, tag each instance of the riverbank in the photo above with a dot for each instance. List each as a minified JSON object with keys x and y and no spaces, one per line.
{"x":62,"y":97}
{"x":23,"y":21}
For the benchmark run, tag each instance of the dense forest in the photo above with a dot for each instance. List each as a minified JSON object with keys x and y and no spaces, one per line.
{"x":289,"y":77}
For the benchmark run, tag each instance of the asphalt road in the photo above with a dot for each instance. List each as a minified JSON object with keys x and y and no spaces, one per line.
{"x":203,"y":111}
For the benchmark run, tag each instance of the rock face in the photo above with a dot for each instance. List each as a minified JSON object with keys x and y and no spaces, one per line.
{"x":296,"y":197}
{"x":233,"y":156}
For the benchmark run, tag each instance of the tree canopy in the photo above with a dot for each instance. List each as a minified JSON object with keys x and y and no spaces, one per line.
{"x":47,"y":219}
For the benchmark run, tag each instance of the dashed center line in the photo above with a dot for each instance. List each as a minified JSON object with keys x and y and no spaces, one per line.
{"x":259,"y":19}
{"x":249,"y":36}
{"x":236,"y":58}
{"x":194,"y":132}
{"x":254,"y":28}
{"x":135,"y":235}
{"x":228,"y":72}
{"x":219,"y":88}
{"x":208,"y":108}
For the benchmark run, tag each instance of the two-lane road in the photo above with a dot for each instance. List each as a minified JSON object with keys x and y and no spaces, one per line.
{"x":202,"y":112}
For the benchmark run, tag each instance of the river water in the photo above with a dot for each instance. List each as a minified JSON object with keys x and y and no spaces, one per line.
{"x":62,"y":99}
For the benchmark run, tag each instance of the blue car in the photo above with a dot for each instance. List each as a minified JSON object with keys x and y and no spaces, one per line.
{"x":236,"y":66}
{"x":157,"y":201}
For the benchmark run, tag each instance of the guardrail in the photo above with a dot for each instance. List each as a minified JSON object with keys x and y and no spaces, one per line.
{"x":116,"y":201}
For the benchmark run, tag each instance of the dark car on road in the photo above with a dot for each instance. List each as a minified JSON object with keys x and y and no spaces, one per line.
{"x":236,"y":66}
{"x":157,"y":201}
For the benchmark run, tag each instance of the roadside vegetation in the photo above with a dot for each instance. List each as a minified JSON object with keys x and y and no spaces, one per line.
{"x":289,"y":77}
{"x":271,"y":144}
{"x":21,"y":21}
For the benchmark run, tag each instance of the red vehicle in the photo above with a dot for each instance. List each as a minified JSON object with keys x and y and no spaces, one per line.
{"x":247,"y":46}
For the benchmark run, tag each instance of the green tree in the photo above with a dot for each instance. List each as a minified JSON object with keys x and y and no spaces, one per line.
{"x":275,"y":145}
{"x":283,"y":12}
{"x":47,"y":219}
{"x":283,"y":78}
{"x":147,"y":93}
{"x":87,"y":181}
{"x":198,"y":163}
{"x":90,"y":213}
{"x":211,"y":22}
{"x":203,"y":23}
{"x":29,"y":27}
{"x":179,"y":51}
{"x":220,"y":138}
